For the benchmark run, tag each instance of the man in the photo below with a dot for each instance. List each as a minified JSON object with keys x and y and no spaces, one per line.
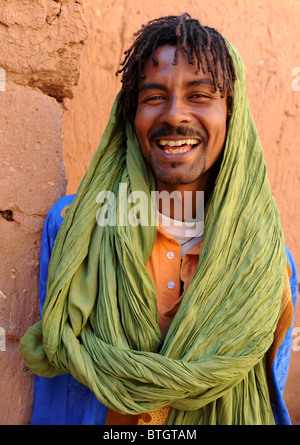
{"x":143,"y":324}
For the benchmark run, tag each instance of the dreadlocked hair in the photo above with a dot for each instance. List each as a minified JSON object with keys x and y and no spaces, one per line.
{"x":197,"y":41}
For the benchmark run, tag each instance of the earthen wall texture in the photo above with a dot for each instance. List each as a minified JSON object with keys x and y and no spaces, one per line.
{"x":40,"y":51}
{"x":267,"y":35}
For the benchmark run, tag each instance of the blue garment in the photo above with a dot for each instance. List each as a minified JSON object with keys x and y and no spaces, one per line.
{"x":62,"y":400}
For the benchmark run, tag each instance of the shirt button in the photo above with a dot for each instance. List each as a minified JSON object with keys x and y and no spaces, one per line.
{"x":170,"y":255}
{"x":171,"y":284}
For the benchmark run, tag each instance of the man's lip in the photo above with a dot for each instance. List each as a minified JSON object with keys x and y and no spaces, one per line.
{"x":176,"y":139}
{"x":178,"y":133}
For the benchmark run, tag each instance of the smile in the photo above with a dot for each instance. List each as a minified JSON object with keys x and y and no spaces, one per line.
{"x":176,"y":147}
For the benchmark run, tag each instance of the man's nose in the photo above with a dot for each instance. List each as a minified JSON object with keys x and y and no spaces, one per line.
{"x":175,"y":112}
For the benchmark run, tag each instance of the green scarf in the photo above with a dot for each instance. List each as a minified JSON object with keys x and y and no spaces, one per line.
{"x":100,"y":320}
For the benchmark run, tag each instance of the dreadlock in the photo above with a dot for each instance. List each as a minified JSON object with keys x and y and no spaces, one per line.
{"x":187,"y":34}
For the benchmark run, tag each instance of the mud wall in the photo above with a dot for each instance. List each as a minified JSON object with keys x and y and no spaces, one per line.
{"x":267,"y":35}
{"x":41,"y":45}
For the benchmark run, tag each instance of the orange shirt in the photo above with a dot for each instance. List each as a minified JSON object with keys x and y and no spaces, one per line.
{"x":167,"y":272}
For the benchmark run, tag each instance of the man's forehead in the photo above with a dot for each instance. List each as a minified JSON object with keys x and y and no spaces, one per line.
{"x":168,"y":56}
{"x":146,"y":85}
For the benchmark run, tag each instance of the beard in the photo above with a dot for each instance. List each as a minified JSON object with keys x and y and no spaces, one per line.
{"x":177,"y":173}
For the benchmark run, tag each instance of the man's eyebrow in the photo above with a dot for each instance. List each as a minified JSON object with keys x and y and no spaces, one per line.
{"x":152,"y":86}
{"x":192,"y":83}
{"x":199,"y":83}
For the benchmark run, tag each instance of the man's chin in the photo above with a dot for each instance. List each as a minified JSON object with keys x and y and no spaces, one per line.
{"x":176,"y":180}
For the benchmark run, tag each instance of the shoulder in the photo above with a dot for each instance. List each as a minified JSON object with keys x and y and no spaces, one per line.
{"x":58,"y":211}
{"x":55,"y":217}
{"x":60,"y":208}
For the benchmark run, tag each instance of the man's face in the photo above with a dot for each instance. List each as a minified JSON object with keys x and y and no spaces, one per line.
{"x":180,"y":120}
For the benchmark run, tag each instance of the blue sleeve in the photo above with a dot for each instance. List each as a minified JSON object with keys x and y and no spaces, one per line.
{"x":281,"y":363}
{"x":61,"y":400}
{"x":52,"y":225}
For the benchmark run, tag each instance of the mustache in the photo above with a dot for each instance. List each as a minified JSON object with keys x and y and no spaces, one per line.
{"x":181,"y":130}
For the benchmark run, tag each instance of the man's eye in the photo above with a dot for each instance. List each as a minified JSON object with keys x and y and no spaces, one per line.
{"x":154,"y":98}
{"x":199,"y":96}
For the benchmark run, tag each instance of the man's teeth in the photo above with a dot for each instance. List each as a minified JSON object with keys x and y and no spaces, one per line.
{"x":187,"y":143}
{"x":178,"y":143}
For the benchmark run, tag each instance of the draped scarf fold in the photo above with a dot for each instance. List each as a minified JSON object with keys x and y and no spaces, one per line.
{"x":100,"y":319}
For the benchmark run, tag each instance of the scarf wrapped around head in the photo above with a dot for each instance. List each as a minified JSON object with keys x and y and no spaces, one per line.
{"x":100,"y":320}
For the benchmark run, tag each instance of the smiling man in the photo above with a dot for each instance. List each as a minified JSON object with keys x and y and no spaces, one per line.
{"x":143,"y":324}
{"x":180,"y":122}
